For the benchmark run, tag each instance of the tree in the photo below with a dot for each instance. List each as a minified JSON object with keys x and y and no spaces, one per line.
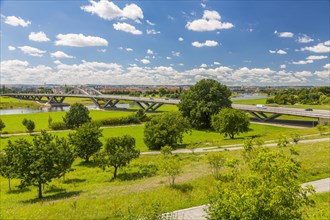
{"x":230,"y":122}
{"x":76,"y":116}
{"x":217,"y":163}
{"x":171,"y":167}
{"x":203,"y":100}
{"x":29,"y":124}
{"x":165,"y":129}
{"x":295,"y":138}
{"x":2,"y":126}
{"x":283,"y":141}
{"x":268,"y":188}
{"x":321,"y":128}
{"x":37,"y":163}
{"x":86,"y":140}
{"x":6,"y":167}
{"x":118,"y":152}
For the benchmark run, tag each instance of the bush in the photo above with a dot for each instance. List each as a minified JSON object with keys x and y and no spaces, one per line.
{"x":58,"y":126}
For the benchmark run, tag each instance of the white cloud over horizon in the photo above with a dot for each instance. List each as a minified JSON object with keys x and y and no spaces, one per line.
{"x":16,"y":21}
{"x":79,"y":40}
{"x":208,"y":43}
{"x":38,"y":37}
{"x":61,"y":54}
{"x":126,"y":28}
{"x":32,"y":51}
{"x":210,"y":21}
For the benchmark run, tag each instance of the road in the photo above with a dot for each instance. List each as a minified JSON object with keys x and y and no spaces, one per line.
{"x":198,"y":212}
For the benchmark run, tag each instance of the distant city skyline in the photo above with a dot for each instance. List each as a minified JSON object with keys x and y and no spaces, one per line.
{"x":260,"y":43}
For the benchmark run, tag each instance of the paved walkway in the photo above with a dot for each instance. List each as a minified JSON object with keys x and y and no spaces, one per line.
{"x":198,"y":212}
{"x":233,"y":147}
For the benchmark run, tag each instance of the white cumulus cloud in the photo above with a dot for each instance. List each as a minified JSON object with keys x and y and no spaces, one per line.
{"x":316,"y":57}
{"x":210,"y":21}
{"x":108,"y":10}
{"x":16,"y":21}
{"x":32,"y":51}
{"x":79,"y":40}
{"x":11,"y":48}
{"x":145,"y":61}
{"x":208,"y":43}
{"x":303,"y":62}
{"x":61,"y":54}
{"x":284,"y":34}
{"x":283,"y":66}
{"x":282,"y":52}
{"x":39,"y":37}
{"x":319,"y":48}
{"x":305,"y":39}
{"x":150,"y":51}
{"x":152,"y":31}
{"x":126,"y":28}
{"x":181,"y":39}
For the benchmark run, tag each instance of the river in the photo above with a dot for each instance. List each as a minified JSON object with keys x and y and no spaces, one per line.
{"x":14,"y":111}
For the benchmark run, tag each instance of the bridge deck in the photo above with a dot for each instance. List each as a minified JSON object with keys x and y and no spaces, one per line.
{"x":324,"y":114}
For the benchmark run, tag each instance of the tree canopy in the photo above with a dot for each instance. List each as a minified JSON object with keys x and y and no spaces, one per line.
{"x":37,"y":163}
{"x":165,"y":129}
{"x":77,"y":115}
{"x":2,"y":126}
{"x":230,"y":122}
{"x":86,"y":140}
{"x":268,"y":188}
{"x":118,"y":152}
{"x":203,"y":100}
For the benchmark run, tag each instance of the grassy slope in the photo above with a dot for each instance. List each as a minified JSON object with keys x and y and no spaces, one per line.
{"x":87,"y":192}
{"x":204,"y":138}
{"x":14,"y":122}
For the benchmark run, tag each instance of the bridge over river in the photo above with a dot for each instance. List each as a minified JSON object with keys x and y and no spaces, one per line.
{"x":101,"y":101}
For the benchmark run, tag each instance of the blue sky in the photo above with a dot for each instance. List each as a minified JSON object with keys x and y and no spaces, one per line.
{"x":165,"y":42}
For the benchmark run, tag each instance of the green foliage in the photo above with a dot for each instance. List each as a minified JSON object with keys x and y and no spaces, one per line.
{"x":230,"y":122}
{"x":203,"y":100}
{"x":37,"y":163}
{"x":58,"y":126}
{"x":217,"y":163}
{"x":2,"y":126}
{"x":268,"y":189}
{"x":118,"y":152}
{"x":86,"y":140}
{"x":295,"y":138}
{"x":50,"y":121}
{"x":283,"y":141}
{"x":7,"y":167}
{"x":29,"y":124}
{"x":321,"y":128}
{"x":172,"y":168}
{"x":165,"y":129}
{"x":166,"y":151}
{"x":76,"y":116}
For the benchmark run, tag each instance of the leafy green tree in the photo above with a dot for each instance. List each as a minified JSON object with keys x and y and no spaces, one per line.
{"x":267,"y":189}
{"x":6,"y":167}
{"x":217,"y":163}
{"x":118,"y":152}
{"x":29,"y":124}
{"x":76,"y":116}
{"x":37,"y":163}
{"x":165,"y":129}
{"x":283,"y":141}
{"x":86,"y":140}
{"x":295,"y":138}
{"x":172,"y":168}
{"x":2,"y":126}
{"x":166,"y":151}
{"x":206,"y":98}
{"x":321,"y":128}
{"x":230,"y":122}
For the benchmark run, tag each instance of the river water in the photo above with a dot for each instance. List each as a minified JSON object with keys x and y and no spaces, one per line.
{"x":14,"y":111}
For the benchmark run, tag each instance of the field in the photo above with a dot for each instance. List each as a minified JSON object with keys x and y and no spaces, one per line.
{"x":201,"y":138}
{"x":89,"y":193}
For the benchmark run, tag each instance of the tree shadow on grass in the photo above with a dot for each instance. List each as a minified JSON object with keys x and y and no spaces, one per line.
{"x":89,"y":164}
{"x":58,"y":196}
{"x":18,"y":190}
{"x":74,"y":180}
{"x":184,"y":187}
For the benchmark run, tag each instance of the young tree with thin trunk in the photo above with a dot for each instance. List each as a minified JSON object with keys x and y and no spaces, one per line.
{"x":118,"y":152}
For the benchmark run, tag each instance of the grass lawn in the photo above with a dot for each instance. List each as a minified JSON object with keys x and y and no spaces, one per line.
{"x":14,"y":122}
{"x":202,"y":138}
{"x":88,"y":193}
{"x":321,"y":211}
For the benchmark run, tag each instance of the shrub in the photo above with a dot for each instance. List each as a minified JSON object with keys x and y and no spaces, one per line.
{"x":58,"y":126}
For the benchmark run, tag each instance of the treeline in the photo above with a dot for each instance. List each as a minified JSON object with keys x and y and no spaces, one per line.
{"x":161,"y":92}
{"x":309,"y":96}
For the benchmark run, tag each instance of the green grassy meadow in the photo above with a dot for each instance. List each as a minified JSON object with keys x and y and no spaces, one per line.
{"x":202,"y":138}
{"x":89,"y":193}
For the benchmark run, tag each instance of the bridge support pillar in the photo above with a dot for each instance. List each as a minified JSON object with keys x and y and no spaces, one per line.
{"x":263,"y":117}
